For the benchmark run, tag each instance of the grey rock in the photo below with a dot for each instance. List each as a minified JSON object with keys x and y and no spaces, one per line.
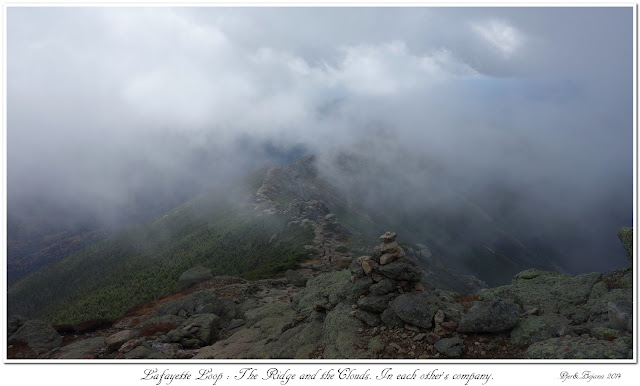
{"x":383,"y":287}
{"x":451,"y":347}
{"x":235,"y":323}
{"x":132,"y":344}
{"x":439,"y":317}
{"x":419,"y":337}
{"x":38,"y":335}
{"x":194,"y":275}
{"x":375,"y":254}
{"x":389,"y":247}
{"x":552,"y":292}
{"x":388,"y":237}
{"x":375,"y":303}
{"x":14,"y":323}
{"x":326,"y":289}
{"x":356,"y":269}
{"x":160,"y":323}
{"x":490,"y":316}
{"x":370,"y":318}
{"x":140,"y":352}
{"x":202,"y":327}
{"x":83,"y":349}
{"x":207,"y":326}
{"x":361,"y":287}
{"x":390,"y":318}
{"x":115,"y":341}
{"x":417,"y":308}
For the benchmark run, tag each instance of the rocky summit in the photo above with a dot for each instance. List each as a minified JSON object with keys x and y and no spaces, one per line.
{"x":377,"y":307}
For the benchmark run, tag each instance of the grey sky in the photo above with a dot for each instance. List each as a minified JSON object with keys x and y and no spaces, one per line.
{"x":105,"y":102}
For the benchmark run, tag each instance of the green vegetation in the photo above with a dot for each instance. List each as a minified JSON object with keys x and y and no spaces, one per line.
{"x":341,"y":249}
{"x":144,"y":263}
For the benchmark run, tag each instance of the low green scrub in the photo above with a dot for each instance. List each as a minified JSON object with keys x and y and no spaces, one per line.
{"x":341,"y":249}
{"x":145,"y":262}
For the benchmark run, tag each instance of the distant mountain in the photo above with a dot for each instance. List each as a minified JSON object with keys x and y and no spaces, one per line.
{"x":258,"y":227}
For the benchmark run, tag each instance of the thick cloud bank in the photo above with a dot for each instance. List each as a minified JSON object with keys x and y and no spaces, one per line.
{"x":111,"y":110}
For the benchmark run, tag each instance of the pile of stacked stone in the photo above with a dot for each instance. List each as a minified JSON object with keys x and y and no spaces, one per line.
{"x":380,"y":279}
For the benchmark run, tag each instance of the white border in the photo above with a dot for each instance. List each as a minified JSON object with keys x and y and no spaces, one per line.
{"x":519,"y":371}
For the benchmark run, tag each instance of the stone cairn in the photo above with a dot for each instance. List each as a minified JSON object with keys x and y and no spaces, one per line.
{"x":380,"y":278}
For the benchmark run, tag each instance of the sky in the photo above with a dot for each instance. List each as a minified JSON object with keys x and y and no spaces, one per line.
{"x":113,"y":109}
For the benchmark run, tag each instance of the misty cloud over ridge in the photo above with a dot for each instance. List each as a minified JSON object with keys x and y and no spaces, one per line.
{"x":110,"y":107}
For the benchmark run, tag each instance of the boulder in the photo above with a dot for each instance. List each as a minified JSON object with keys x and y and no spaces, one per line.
{"x":366,"y":264}
{"x":140,"y":352}
{"x":159,"y":324}
{"x":194,"y":275}
{"x":83,"y":349}
{"x":450,"y":347}
{"x":383,"y":287}
{"x":376,"y":253}
{"x":14,"y":323}
{"x":236,"y":346}
{"x":439,"y":317}
{"x":417,"y":308}
{"x":131,"y":344}
{"x":327,"y":289}
{"x":390,"y":318}
{"x":201,"y":328}
{"x":388,"y":257}
{"x":356,"y":269}
{"x":370,"y":318}
{"x":361,"y":287}
{"x":38,"y":335}
{"x":115,"y":341}
{"x":490,"y":316}
{"x":375,"y":303}
{"x":551,"y":293}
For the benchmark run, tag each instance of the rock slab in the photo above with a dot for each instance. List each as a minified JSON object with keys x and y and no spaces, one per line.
{"x":490,"y":316}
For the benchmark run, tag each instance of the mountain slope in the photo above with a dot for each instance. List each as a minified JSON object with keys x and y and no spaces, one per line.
{"x":258,"y":227}
{"x":143,"y":263}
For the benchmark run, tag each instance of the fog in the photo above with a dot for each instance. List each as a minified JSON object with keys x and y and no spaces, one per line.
{"x":116,"y":114}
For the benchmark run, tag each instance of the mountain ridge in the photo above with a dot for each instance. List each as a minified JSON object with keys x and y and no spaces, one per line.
{"x":257,"y":227}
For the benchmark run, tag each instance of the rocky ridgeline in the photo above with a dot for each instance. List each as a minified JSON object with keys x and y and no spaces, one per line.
{"x":377,"y":308}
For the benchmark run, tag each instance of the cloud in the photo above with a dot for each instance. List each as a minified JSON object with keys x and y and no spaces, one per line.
{"x":108,"y":107}
{"x":501,"y":36}
{"x":390,"y":68}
